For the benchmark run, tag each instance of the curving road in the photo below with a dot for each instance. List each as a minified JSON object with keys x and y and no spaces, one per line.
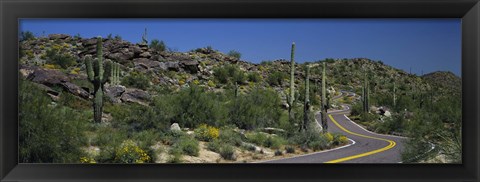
{"x":364,"y":146}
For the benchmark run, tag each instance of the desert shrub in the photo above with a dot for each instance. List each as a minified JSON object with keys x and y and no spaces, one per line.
{"x":339,"y":139}
{"x":176,"y":155}
{"x":311,"y":139}
{"x":26,"y":35}
{"x":137,"y":80}
{"x":210,"y":83}
{"x":135,"y":117}
{"x":129,"y":152}
{"x":146,"y":138}
{"x":256,"y":138}
{"x":228,"y":152}
{"x":206,"y":133}
{"x":290,"y":149}
{"x":258,"y":109}
{"x":193,"y":106}
{"x":235,"y":54}
{"x":87,"y":160}
{"x":254,"y":77}
{"x":278,"y":153}
{"x":231,"y":137}
{"x":214,"y":145}
{"x":274,"y":142}
{"x":318,"y":144}
{"x":56,"y":57}
{"x":48,"y":133}
{"x":187,"y":145}
{"x":72,"y":101}
{"x":109,"y":137}
{"x":157,"y":45}
{"x":276,"y":78}
{"x":229,"y":74}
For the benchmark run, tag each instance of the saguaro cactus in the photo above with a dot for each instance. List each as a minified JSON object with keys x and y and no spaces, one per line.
{"x":144,"y":37}
{"x":291,"y":101}
{"x":306,"y":108}
{"x":365,"y":94}
{"x":394,"y":95}
{"x":115,"y":74}
{"x":324,"y":99}
{"x":96,"y":76}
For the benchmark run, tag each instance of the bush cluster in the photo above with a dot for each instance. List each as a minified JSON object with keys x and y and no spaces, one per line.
{"x":129,"y":152}
{"x":136,"y":79}
{"x":206,"y":133}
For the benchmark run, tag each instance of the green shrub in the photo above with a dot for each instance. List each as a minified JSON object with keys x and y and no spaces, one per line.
{"x":254,"y":77}
{"x":227,"y":152}
{"x":206,"y":133}
{"x":176,"y":155}
{"x":157,"y":45}
{"x":276,"y":78}
{"x":56,"y":57}
{"x":229,"y":74}
{"x":191,"y":107}
{"x":278,"y":153}
{"x":274,"y":142}
{"x":214,"y":146}
{"x":47,"y":133}
{"x":318,"y":144}
{"x":187,"y":145}
{"x":261,"y":108}
{"x":230,"y":137}
{"x":129,"y":152}
{"x":257,"y":138}
{"x":136,"y":79}
{"x":27,"y":35}
{"x":290,"y":149}
{"x":235,"y":54}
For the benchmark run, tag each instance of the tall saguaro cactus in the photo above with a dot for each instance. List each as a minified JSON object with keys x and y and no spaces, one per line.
{"x":291,"y":101}
{"x":394,"y":95}
{"x":324,"y":99}
{"x":366,"y":94}
{"x":306,"y":108}
{"x":95,"y":72}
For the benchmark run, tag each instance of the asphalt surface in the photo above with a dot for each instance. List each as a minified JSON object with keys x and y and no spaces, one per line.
{"x":364,"y":146}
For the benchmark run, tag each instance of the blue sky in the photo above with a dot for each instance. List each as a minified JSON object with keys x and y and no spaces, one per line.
{"x":420,"y":44}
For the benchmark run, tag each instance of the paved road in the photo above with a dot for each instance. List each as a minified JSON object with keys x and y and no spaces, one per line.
{"x":364,"y":146}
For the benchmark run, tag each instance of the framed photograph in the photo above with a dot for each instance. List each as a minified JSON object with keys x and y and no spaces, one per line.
{"x":239,"y":90}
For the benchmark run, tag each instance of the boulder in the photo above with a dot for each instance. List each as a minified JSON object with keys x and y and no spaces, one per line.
{"x":114,"y":93}
{"x":145,"y":55}
{"x":146,"y":63}
{"x":136,"y":96}
{"x":169,"y":66}
{"x":387,"y":114}
{"x":58,"y":36}
{"x":76,"y":90}
{"x":191,"y":66}
{"x":89,"y":42}
{"x":175,"y":128}
{"x":44,"y":76}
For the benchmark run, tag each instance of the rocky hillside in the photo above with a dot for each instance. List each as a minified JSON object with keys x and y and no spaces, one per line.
{"x":55,"y":62}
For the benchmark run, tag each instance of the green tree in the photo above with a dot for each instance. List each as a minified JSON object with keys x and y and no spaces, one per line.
{"x":157,"y":45}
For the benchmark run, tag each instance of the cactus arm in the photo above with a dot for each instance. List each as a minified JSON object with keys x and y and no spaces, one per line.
{"x":89,"y":67}
{"x":108,"y":71}
{"x":292,"y":87}
{"x":100,"y":58}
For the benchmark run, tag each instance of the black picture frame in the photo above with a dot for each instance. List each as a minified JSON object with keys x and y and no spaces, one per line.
{"x":467,"y":10}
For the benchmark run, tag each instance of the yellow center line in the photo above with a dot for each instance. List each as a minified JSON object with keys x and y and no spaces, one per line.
{"x":391,"y":145}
